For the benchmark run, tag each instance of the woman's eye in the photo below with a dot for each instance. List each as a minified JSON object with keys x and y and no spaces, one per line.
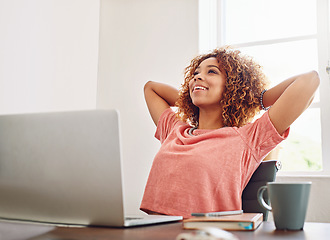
{"x":213,"y":71}
{"x":195,"y":73}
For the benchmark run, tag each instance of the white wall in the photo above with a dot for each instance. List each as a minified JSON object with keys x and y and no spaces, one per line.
{"x":48,"y":55}
{"x":140,"y":41}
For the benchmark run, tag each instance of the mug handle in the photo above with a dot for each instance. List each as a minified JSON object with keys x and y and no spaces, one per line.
{"x":261,"y":199}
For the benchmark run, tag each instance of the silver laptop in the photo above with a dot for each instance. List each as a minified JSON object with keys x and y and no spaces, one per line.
{"x":64,"y":168}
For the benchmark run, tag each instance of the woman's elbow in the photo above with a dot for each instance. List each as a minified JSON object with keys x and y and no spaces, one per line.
{"x":148,"y":86}
{"x":315,"y":78}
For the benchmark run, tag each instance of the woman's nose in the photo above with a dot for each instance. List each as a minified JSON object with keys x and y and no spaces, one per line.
{"x":198,"y":77}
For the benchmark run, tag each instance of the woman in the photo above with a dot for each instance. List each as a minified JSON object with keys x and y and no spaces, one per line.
{"x":210,"y":148}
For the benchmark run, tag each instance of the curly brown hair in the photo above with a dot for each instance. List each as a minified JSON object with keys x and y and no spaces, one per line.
{"x":245,"y":81}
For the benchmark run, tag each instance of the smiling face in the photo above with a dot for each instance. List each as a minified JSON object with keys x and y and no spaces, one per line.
{"x":239,"y":92}
{"x":208,"y":84}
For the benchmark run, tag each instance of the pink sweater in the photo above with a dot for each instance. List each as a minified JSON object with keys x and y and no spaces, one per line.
{"x":207,"y":172}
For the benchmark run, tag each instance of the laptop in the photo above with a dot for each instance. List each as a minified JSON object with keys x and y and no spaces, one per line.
{"x":64,"y":168}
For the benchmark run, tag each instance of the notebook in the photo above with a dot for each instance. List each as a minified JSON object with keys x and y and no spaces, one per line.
{"x":64,"y":168}
{"x":243,"y":221}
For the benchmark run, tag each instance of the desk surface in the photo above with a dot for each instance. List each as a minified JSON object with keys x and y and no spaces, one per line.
{"x":266,"y":231}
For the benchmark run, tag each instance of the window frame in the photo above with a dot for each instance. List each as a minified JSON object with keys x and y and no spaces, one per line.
{"x":213,"y":11}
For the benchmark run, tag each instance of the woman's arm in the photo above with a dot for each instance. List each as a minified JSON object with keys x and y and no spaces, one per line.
{"x":290,"y":99}
{"x":159,"y":97}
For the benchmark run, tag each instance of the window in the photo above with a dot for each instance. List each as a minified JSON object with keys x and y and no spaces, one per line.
{"x":286,"y":37}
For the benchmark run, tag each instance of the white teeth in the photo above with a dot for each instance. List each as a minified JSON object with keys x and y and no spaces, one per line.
{"x":199,"y":88}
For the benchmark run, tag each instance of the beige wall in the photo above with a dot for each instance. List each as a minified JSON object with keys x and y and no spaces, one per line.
{"x":48,"y":55}
{"x":140,"y":41}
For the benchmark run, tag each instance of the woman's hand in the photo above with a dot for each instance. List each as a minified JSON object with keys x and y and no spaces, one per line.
{"x":159,"y":97}
{"x":290,"y":99}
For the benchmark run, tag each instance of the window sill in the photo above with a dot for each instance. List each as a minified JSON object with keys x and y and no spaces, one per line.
{"x":302,"y":175}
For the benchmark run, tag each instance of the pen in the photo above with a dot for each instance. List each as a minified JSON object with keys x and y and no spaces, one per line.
{"x":217,"y":214}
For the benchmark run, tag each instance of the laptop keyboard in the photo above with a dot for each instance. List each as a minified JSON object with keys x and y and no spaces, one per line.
{"x":133,"y":218}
